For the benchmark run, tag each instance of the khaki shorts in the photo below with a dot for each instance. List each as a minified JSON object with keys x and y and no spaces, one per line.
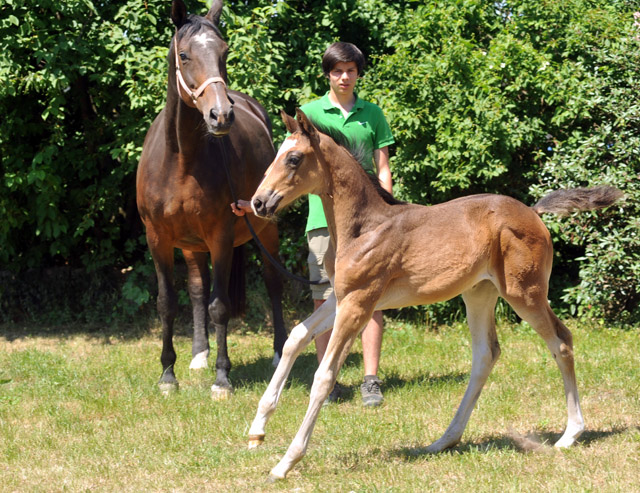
{"x":318,"y":241}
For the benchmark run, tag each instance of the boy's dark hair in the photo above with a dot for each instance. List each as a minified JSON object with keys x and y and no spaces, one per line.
{"x":342,"y":52}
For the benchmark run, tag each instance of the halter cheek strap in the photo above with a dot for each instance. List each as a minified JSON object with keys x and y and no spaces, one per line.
{"x":180,"y":82}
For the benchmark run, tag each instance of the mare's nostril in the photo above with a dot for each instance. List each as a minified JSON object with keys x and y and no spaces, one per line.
{"x":214,"y":115}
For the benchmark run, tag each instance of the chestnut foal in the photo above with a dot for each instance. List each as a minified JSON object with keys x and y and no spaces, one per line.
{"x":391,"y":254}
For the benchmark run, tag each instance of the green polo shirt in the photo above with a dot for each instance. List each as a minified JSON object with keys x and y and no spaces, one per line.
{"x":365,"y":125}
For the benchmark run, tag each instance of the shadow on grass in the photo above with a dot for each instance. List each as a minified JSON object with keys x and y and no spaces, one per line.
{"x":506,"y":442}
{"x":304,"y":368}
{"x":261,"y":370}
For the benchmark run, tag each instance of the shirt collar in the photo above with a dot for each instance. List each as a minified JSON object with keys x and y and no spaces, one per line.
{"x":327,"y":105}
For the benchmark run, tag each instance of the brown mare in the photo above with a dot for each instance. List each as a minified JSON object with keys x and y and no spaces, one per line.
{"x":183,"y":193}
{"x":390,"y":255}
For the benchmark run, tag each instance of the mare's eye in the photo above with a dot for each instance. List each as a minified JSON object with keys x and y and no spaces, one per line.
{"x":183,"y":56}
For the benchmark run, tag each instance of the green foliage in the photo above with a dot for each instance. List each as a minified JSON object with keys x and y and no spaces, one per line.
{"x":517,"y":96}
{"x":514,"y":97}
{"x":604,"y":149}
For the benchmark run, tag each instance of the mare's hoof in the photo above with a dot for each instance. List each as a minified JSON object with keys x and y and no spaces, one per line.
{"x":275,"y":361}
{"x":200,"y":361}
{"x":219,"y":393}
{"x":168,"y":388}
{"x":255,"y":441}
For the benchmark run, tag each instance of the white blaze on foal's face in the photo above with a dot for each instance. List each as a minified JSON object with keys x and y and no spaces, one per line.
{"x":289,"y":143}
{"x":286,"y":146}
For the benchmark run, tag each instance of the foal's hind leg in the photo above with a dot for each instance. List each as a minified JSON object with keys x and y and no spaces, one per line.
{"x":560,"y":342}
{"x":199,"y":291}
{"x":480,"y":302}
{"x":269,"y":238}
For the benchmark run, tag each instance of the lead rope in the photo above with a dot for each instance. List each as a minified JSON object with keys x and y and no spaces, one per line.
{"x":273,"y":261}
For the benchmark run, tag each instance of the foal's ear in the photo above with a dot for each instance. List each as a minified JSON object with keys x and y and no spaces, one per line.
{"x":178,"y":13}
{"x":306,"y":126}
{"x":215,"y":12}
{"x":289,"y":122}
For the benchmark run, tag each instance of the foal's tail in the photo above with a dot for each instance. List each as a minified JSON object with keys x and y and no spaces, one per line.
{"x":563,"y":202}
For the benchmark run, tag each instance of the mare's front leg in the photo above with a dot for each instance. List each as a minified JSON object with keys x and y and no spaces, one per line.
{"x":301,"y":336}
{"x":269,"y":238}
{"x":220,"y":312}
{"x":167,"y":303}
{"x":199,"y":285}
{"x":351,"y":316}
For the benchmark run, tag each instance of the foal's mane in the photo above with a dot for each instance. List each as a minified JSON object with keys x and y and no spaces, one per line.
{"x":358,"y":152}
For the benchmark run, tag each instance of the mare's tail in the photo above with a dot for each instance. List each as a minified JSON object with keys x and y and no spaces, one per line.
{"x":563,"y":202}
{"x":237,"y":284}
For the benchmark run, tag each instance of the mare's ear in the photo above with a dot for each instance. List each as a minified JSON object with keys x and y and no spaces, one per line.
{"x":215,"y":12}
{"x":289,"y":122}
{"x":307,"y":127}
{"x":178,"y":13}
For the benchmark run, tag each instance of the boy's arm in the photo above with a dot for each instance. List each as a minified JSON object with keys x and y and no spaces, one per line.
{"x":381,"y":157}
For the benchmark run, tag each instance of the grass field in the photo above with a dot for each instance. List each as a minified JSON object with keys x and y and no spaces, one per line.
{"x":79,"y":411}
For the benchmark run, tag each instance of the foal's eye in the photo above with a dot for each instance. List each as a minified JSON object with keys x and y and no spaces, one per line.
{"x":294,"y":160}
{"x":183,"y":56}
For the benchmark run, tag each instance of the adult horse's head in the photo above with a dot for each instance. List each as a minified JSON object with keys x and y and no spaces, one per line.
{"x":198,"y":54}
{"x":294,"y":172}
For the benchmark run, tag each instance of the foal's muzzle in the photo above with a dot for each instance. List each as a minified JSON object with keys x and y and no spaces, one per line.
{"x":265,"y":204}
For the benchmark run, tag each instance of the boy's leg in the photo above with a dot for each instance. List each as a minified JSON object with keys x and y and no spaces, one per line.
{"x":371,"y":345}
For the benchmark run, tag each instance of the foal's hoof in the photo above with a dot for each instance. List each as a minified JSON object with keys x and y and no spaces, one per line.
{"x":255,"y":441}
{"x":273,"y":479}
{"x":219,"y":393}
{"x":168,"y":388}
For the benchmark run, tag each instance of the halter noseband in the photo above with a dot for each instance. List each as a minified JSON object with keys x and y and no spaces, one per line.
{"x":180,"y":82}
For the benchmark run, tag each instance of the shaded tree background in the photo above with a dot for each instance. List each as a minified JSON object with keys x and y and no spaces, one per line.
{"x":515,"y":97}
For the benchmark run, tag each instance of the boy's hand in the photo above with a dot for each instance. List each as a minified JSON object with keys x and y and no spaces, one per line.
{"x":242,"y":208}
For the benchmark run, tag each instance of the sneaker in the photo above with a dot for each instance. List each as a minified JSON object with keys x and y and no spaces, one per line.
{"x":335,"y":395}
{"x":371,"y":393}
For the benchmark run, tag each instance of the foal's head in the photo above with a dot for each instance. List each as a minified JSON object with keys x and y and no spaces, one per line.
{"x":199,"y":57}
{"x":295,"y":170}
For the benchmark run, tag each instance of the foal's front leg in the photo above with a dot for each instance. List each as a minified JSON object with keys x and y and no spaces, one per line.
{"x":351,"y":318}
{"x":301,"y":336}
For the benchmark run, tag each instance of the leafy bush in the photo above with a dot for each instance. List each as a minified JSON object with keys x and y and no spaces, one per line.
{"x":514,"y":97}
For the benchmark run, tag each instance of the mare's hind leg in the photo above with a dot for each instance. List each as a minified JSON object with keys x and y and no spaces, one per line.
{"x":301,"y":336}
{"x":480,"y":302}
{"x":560,"y":342}
{"x":269,"y":238}
{"x":167,"y":303}
{"x":220,"y":312}
{"x":199,"y":285}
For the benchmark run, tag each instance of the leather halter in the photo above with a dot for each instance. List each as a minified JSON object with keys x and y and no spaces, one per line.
{"x":180,"y":82}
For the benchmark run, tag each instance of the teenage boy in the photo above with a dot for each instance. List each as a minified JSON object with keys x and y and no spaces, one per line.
{"x":364,"y":124}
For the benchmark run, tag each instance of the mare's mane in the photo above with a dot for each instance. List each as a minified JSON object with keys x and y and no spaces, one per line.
{"x":194,"y":24}
{"x":359,"y":153}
